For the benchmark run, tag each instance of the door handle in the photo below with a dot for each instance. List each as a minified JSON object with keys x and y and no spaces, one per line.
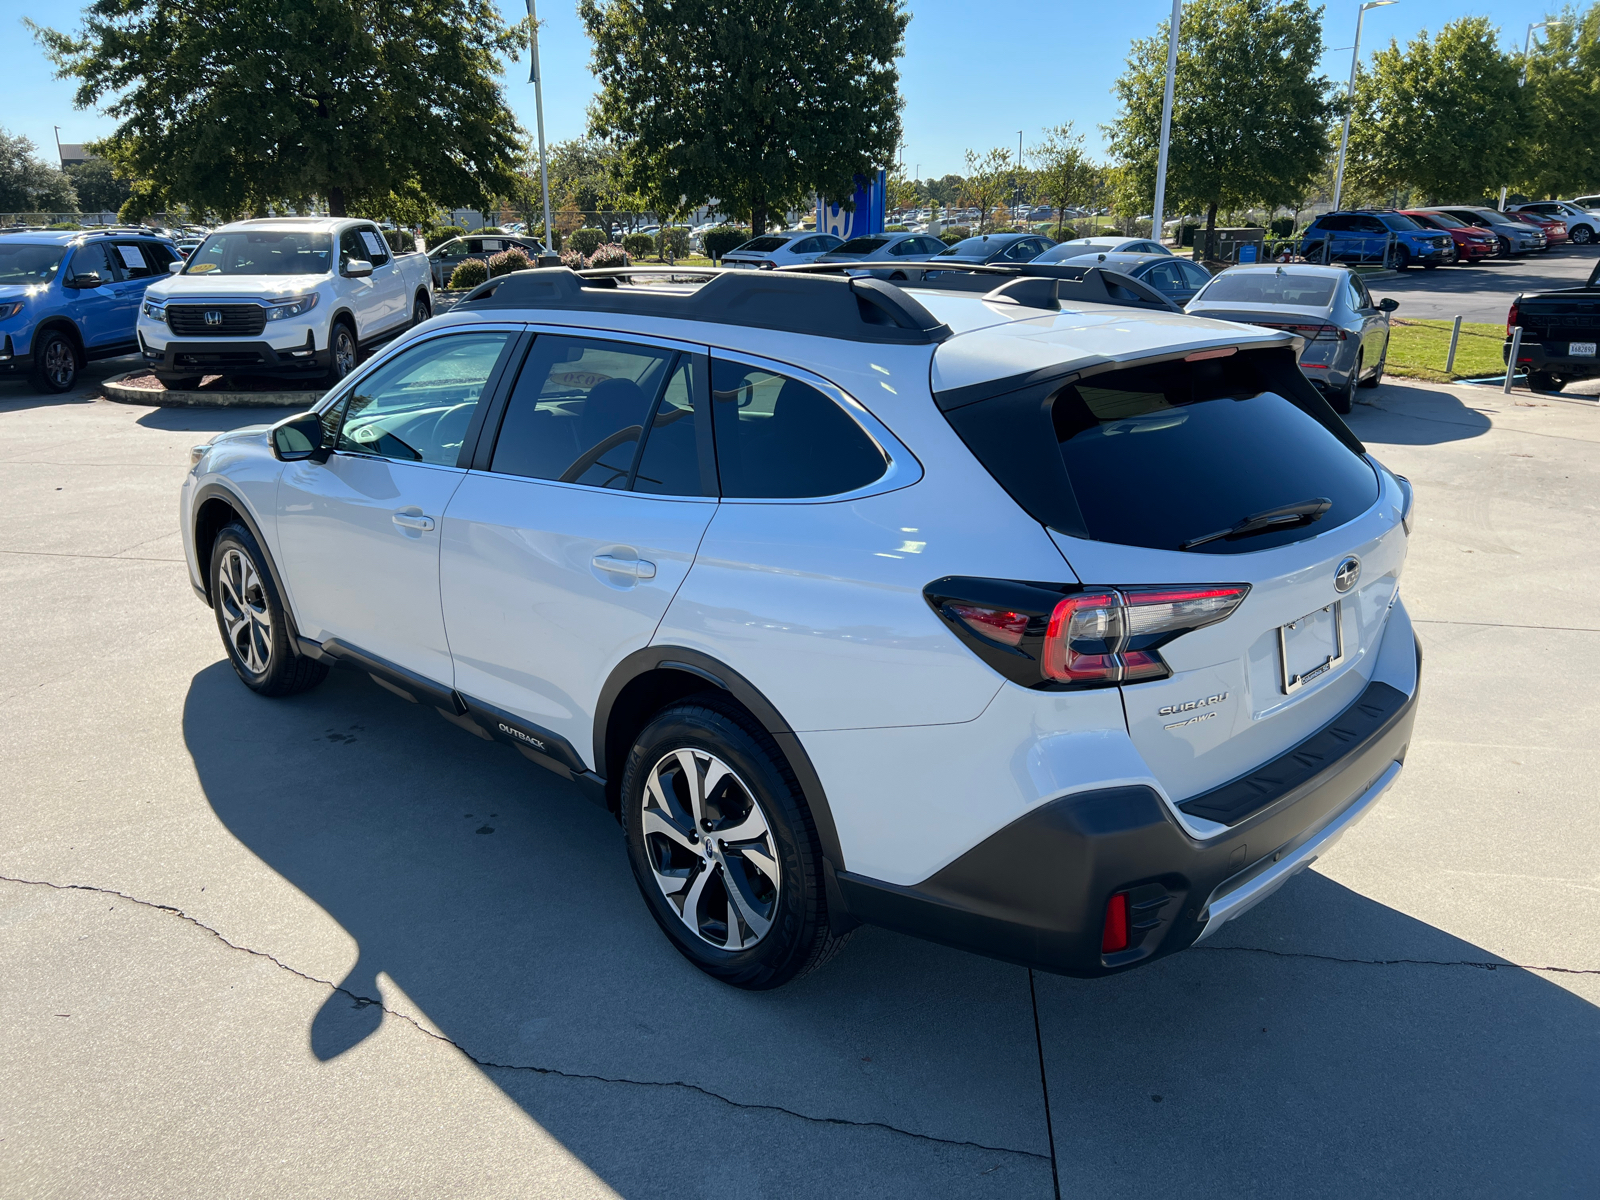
{"x":407,"y":521}
{"x":634,"y":568}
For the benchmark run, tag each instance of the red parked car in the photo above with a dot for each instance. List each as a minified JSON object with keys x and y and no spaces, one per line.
{"x":1555,"y":229}
{"x":1471,"y":242}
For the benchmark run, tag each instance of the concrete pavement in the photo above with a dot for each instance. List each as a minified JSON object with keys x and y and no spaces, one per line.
{"x":334,"y":944}
{"x":1484,"y":290}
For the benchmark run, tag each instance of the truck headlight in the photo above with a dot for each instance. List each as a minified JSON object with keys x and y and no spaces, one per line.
{"x":156,"y":310}
{"x":282,"y":310}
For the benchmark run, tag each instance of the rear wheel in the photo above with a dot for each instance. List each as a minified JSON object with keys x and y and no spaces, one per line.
{"x":55,"y":363}
{"x":1377,"y":375}
{"x":1543,"y":381}
{"x":421,"y":310}
{"x":723,"y":847}
{"x":250,"y":617}
{"x":1345,"y":398}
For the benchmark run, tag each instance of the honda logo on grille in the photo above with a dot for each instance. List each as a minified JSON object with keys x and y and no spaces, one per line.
{"x":213,"y":316}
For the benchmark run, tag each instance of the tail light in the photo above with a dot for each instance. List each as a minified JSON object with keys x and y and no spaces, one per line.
{"x":1311,"y":333}
{"x":1511,"y":319}
{"x":1092,"y":637}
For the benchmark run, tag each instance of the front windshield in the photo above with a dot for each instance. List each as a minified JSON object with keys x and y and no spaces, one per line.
{"x":1270,"y":287}
{"x":1398,"y":221}
{"x":263,"y":252}
{"x":22,"y":263}
{"x":1442,"y":221}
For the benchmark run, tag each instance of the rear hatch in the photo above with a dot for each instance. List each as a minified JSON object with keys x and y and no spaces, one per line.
{"x":1154,"y":473}
{"x":1298,"y":302}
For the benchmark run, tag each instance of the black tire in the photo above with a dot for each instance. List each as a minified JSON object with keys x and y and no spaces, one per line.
{"x":421,"y":310}
{"x":1581,"y":235}
{"x":55,"y":363}
{"x":1314,"y":252}
{"x":180,"y":383}
{"x":344,"y":351}
{"x":797,"y":938}
{"x":1543,"y":381}
{"x":1377,"y":375}
{"x":1505,"y":247}
{"x":270,"y":665}
{"x":1344,"y":400}
{"x":1400,"y":258}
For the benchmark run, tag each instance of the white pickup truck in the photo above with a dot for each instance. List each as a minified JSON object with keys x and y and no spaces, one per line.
{"x":299,"y":296}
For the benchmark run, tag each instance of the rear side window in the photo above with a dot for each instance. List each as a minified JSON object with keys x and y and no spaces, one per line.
{"x":1163,"y":455}
{"x":778,"y":438}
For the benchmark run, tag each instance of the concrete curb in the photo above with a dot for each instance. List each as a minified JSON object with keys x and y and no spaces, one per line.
{"x":115,"y":390}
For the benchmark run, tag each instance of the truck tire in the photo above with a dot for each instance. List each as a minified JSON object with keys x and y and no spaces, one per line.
{"x":1543,"y":381}
{"x":421,"y":310}
{"x":55,"y":363}
{"x":343,"y":351}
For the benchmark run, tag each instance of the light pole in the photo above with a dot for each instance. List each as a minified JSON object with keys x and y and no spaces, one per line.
{"x":1016,"y":192}
{"x":1156,"y":213}
{"x":1522,"y":78}
{"x":1350,"y":96}
{"x":538,"y":102}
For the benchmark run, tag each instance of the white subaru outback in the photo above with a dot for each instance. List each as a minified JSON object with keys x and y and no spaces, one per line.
{"x":1007,"y":607}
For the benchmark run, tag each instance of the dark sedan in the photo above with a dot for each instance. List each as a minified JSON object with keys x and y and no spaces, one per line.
{"x":1177,"y":279}
{"x":998,"y":248}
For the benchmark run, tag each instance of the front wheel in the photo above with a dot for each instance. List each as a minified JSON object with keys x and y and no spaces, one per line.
{"x":1581,"y":235}
{"x":723,"y":846}
{"x":1505,"y":247}
{"x":1400,"y":258}
{"x":342,"y":353}
{"x":55,"y":364}
{"x":251,"y":619}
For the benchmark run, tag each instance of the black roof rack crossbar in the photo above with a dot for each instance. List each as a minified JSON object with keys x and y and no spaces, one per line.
{"x":1035,"y":285}
{"x":853,"y":309}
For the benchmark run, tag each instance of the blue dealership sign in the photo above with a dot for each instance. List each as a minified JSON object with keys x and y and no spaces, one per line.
{"x":870,"y":204}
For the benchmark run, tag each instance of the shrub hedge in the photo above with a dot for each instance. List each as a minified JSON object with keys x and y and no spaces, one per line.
{"x":513,"y":259}
{"x":469,"y":274}
{"x":609,"y":255}
{"x":722,"y":238}
{"x":639,"y":245}
{"x":488,"y":229}
{"x":587,"y":240}
{"x":440,"y":234}
{"x":673,"y":241}
{"x":954,"y":233}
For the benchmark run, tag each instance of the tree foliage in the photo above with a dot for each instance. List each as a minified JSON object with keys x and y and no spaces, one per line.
{"x":988,"y":181}
{"x":235,"y":105}
{"x":1561,"y":152}
{"x":27,"y":183}
{"x":757,"y":103}
{"x":99,"y":187}
{"x":1442,"y":116}
{"x":1064,"y":175}
{"x":1250,"y":112}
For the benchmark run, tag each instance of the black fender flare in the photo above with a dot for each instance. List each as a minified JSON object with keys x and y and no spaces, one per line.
{"x":720,"y":675}
{"x":341,"y":314}
{"x":219,"y":491}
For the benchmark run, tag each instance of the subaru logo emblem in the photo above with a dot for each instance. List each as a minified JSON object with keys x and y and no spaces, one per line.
{"x":213,"y":316}
{"x":1349,"y":571}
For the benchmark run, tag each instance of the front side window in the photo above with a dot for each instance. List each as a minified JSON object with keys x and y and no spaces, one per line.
{"x":93,"y":259}
{"x":580,"y":411}
{"x":418,"y":405}
{"x":262,"y":252}
{"x":778,"y":438}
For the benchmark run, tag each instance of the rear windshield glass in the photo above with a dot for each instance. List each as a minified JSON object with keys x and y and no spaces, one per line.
{"x":1164,"y":455}
{"x":262,"y":252}
{"x":1271,"y":287}
{"x":28,"y":264}
{"x":973,"y":247}
{"x":762,"y":245}
{"x":864,"y":245}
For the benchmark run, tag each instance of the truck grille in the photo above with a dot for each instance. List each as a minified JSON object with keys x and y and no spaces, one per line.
{"x":228,"y":320}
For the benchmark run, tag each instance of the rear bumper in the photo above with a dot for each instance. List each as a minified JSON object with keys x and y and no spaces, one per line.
{"x":1538,"y":357}
{"x":1035,"y":893}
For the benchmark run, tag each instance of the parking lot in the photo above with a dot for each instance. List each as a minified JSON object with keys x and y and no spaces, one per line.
{"x":1484,"y":290}
{"x":333,"y":945}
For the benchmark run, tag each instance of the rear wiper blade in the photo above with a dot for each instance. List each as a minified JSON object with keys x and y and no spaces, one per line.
{"x":1302,"y":513}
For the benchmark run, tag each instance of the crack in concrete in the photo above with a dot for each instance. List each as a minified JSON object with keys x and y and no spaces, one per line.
{"x":1504,"y":625}
{"x":98,"y":557}
{"x":489,"y":1064}
{"x":1406,"y":962}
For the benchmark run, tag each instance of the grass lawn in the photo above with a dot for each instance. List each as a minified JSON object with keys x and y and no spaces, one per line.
{"x":1419,"y":349}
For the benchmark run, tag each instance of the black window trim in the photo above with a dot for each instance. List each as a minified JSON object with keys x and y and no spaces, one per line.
{"x":903,"y":469}
{"x":493,"y":414}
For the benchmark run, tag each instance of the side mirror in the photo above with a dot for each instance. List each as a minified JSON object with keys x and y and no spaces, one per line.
{"x":298,"y":437}
{"x":89,"y":279}
{"x":175,"y":266}
{"x":357,"y":268}
{"x":1388,"y":304}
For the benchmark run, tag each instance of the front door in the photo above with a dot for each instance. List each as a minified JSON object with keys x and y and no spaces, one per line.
{"x":103,"y":316}
{"x":394,"y":307}
{"x":560,"y":558}
{"x":359,"y":534}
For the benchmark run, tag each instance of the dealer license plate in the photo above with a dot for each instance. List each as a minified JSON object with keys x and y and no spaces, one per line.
{"x":1310,"y":647}
{"x":1580,"y":349}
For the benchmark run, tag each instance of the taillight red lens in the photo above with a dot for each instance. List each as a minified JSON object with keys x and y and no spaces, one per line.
{"x":1000,"y":624}
{"x":1114,"y":934}
{"x":1511,"y":319}
{"x":1092,"y":636}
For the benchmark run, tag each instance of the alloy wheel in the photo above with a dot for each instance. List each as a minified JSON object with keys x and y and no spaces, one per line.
{"x":244,"y":610}
{"x":344,"y":352}
{"x":1582,"y":235}
{"x":60,"y":364}
{"x":710,"y":849}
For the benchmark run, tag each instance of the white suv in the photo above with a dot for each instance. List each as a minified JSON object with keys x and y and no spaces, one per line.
{"x":1007,"y":607}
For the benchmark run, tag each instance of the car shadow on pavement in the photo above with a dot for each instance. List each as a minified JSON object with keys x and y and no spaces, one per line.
{"x":213,"y":420}
{"x":1404,"y":415}
{"x":502,"y":908}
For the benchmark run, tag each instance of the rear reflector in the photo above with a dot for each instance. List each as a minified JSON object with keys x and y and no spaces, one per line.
{"x":1114,"y":936}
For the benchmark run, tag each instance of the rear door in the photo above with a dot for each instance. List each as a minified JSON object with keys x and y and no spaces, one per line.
{"x":563,"y":548}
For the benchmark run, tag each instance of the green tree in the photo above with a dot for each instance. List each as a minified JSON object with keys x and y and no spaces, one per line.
{"x":1063,"y":173}
{"x":1443,"y":117}
{"x":99,"y":187}
{"x":237,"y":105}
{"x":988,"y":181}
{"x":27,"y":184}
{"x":1562,"y":99}
{"x":755,"y":102}
{"x":1250,"y":113}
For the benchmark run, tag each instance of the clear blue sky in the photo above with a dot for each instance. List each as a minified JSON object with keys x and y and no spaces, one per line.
{"x":973,"y":76}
